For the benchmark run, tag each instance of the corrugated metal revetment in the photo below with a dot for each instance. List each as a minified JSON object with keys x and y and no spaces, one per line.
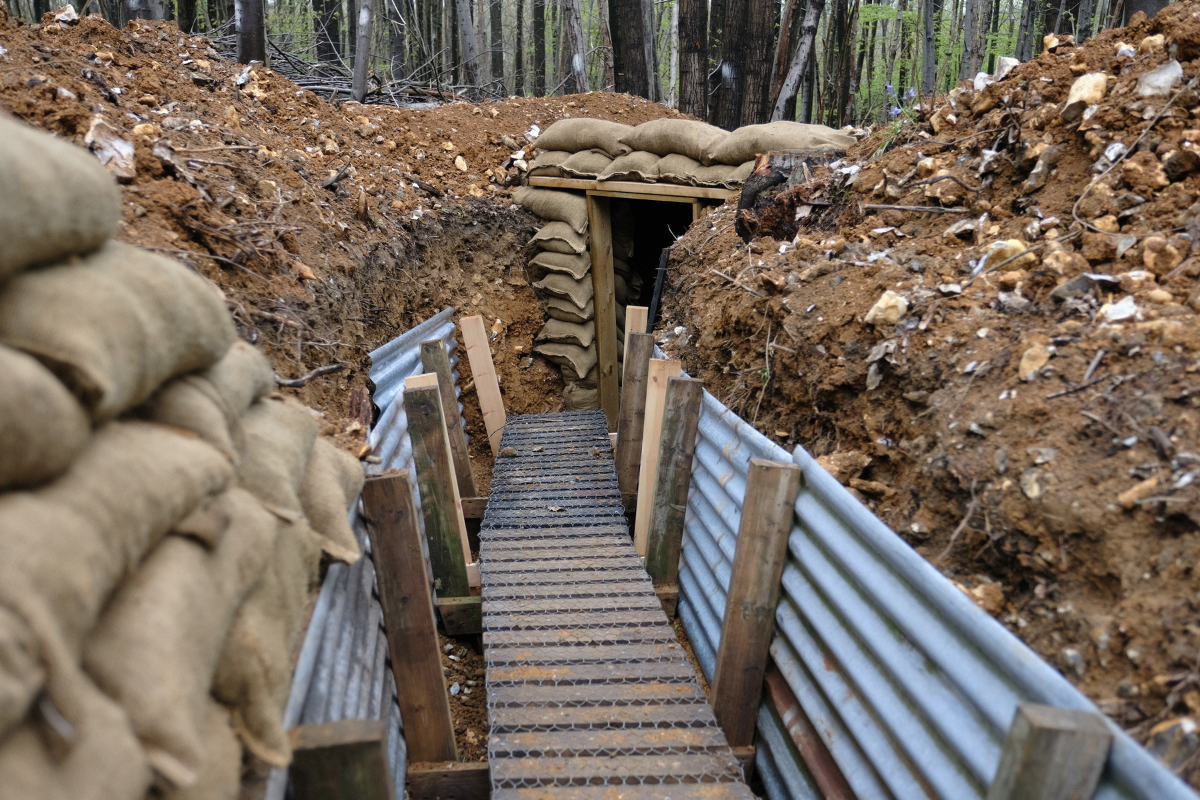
{"x":910,"y":685}
{"x":344,"y":670}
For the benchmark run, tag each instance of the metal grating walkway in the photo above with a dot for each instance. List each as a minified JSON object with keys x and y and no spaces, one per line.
{"x":589,"y":695}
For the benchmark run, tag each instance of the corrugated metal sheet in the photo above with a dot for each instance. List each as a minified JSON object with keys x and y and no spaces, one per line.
{"x":344,"y":668}
{"x":911,"y":686}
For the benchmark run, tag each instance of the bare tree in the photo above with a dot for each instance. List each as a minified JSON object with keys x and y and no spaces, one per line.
{"x":519,"y":51}
{"x":799,"y":66}
{"x":757,"y":63}
{"x":929,"y":12}
{"x":726,"y":108}
{"x":630,"y":73}
{"x":327,"y":26}
{"x":141,"y":9}
{"x":574,"y":47}
{"x":362,"y":59}
{"x":466,"y":32}
{"x":693,"y":57}
{"x":539,"y":48}
{"x":497,"y":45}
{"x":251,"y":31}
{"x":606,"y":42}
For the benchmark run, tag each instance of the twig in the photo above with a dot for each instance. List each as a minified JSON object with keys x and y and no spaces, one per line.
{"x":332,"y":181}
{"x":1099,"y":421}
{"x":433,"y":190}
{"x":219,"y":259}
{"x":1095,"y":363}
{"x":762,"y":392}
{"x":1036,"y":247}
{"x":1075,"y":389}
{"x":213,"y":149}
{"x":734,"y":281}
{"x":931,"y":209}
{"x":954,"y":178}
{"x":274,"y":318}
{"x":962,"y":526}
{"x":947,"y":144}
{"x":296,"y":383}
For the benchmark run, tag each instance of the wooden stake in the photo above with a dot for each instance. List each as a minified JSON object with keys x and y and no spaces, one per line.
{"x":628,"y":451}
{"x":408,"y":620}
{"x":749,"y":620}
{"x":341,"y":761}
{"x":604,"y":295}
{"x":441,"y":506}
{"x":1051,"y":752}
{"x":435,"y":360}
{"x":681,"y":414}
{"x":635,"y":322}
{"x":659,"y":372}
{"x":483,"y":372}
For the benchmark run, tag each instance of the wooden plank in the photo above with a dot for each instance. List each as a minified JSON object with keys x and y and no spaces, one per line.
{"x":662,"y":198}
{"x":635,"y":322}
{"x":483,"y":372}
{"x":434,"y":359}
{"x":1051,"y":752}
{"x":604,"y":297}
{"x":677,"y":446}
{"x":461,"y":616}
{"x":409,"y":622}
{"x":824,"y":770}
{"x":445,"y":527}
{"x":448,"y":781}
{"x":749,"y":619}
{"x":341,"y":761}
{"x":669,"y":597}
{"x":638,"y":350}
{"x":697,"y":210}
{"x":473,"y":507}
{"x":643,"y":191}
{"x":657,"y":375}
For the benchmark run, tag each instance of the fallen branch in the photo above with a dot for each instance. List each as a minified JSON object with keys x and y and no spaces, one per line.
{"x":1095,"y":363}
{"x":433,"y":190}
{"x":1075,"y":389}
{"x":734,"y":281}
{"x":954,"y":178}
{"x":331,"y":182}
{"x":296,"y":383}
{"x":931,"y":209}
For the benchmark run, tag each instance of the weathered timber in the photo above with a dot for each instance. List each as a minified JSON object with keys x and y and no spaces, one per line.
{"x":435,"y":360}
{"x":442,"y":781}
{"x":341,"y":761}
{"x":1051,"y":752}
{"x":604,"y":298}
{"x":483,"y":372}
{"x":659,"y":372}
{"x":638,"y":350}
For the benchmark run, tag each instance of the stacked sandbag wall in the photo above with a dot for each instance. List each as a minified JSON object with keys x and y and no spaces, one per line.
{"x":163,"y":512}
{"x":669,"y":150}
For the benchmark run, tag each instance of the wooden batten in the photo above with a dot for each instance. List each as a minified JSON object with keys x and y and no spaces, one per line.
{"x":1051,"y":752}
{"x":341,"y":761}
{"x":443,"y":781}
{"x":630,"y":430}
{"x":657,"y":375}
{"x":483,"y":372}
{"x":435,"y":360}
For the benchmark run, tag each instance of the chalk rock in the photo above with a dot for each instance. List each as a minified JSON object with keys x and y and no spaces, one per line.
{"x":460,"y":163}
{"x":1144,"y":173}
{"x":1123,"y":309}
{"x":1005,"y":65}
{"x":1151,"y":43}
{"x":1002,"y":251}
{"x":1087,"y":90}
{"x":1159,"y":82}
{"x":888,"y":309}
{"x":1160,"y":255}
{"x":1032,"y":360}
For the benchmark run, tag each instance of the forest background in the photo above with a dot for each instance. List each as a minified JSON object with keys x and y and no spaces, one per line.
{"x":731,"y":62}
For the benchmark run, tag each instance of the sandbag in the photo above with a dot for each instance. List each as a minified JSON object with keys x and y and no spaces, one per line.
{"x":280,"y":433}
{"x":748,"y":141}
{"x":155,"y":648}
{"x":586,"y":164}
{"x":547,"y":164}
{"x":553,"y":204}
{"x":58,"y":199}
{"x":574,"y":360}
{"x":103,"y":760}
{"x":584,"y":134}
{"x":42,"y":425}
{"x":332,"y":483}
{"x":69,"y":544}
{"x":560,"y":308}
{"x":220,"y":775}
{"x":116,"y":325}
{"x":577,"y":266}
{"x":254,"y":672}
{"x":557,"y":284}
{"x":211,"y":403}
{"x":578,"y":398}
{"x":623,"y":290}
{"x":672,"y":135}
{"x":637,"y":166}
{"x":677,"y":168}
{"x":580,"y":333}
{"x":557,"y":237}
{"x":716,"y":175}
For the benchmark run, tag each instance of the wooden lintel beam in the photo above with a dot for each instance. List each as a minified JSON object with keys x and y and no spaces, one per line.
{"x":474,"y":507}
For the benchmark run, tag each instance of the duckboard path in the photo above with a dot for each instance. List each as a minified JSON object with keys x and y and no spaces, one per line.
{"x":589,"y":693}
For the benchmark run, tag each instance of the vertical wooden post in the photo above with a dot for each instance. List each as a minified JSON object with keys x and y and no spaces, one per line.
{"x":635,"y":322}
{"x":749,"y":620}
{"x":604,"y":294}
{"x":681,"y":415}
{"x":434,"y":359}
{"x":408,"y":620}
{"x":483,"y":372}
{"x":659,"y":372}
{"x":1051,"y":752}
{"x":341,"y":761}
{"x":445,"y":527}
{"x":697,"y":209}
{"x":639,"y":348}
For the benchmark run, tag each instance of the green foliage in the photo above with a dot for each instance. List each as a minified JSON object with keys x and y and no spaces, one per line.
{"x":873,"y":12}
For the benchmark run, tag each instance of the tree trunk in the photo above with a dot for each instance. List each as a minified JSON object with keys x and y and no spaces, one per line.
{"x":519,"y":83}
{"x":574,"y":46}
{"x":135,"y":9}
{"x":783,"y":50}
{"x":630,"y":73}
{"x":251,"y":31}
{"x":327,"y":25}
{"x":955,"y":32}
{"x":650,"y":52}
{"x":800,"y":64}
{"x":693,"y":57}
{"x":970,"y":23}
{"x":362,"y":61}
{"x":1025,"y":32}
{"x":673,"y":37}
{"x":606,"y":45}
{"x":757,"y":63}
{"x":727,"y":105}
{"x":450,"y":25}
{"x":1083,"y":29}
{"x":810,"y":92}
{"x":539,"y":48}
{"x":497,"y":23}
{"x":470,"y":53}
{"x":187,"y":16}
{"x":992,"y":29}
{"x":928,"y":50}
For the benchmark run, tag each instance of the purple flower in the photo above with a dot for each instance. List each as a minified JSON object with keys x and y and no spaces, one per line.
{"x":890,"y":89}
{"x":895,"y":111}
{"x":911,"y":93}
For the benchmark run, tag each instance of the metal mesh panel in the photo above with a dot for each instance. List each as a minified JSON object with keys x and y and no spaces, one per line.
{"x":587,"y":687}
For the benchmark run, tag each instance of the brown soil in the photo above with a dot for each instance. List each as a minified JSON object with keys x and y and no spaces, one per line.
{"x":469,"y":706}
{"x":929,"y":420}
